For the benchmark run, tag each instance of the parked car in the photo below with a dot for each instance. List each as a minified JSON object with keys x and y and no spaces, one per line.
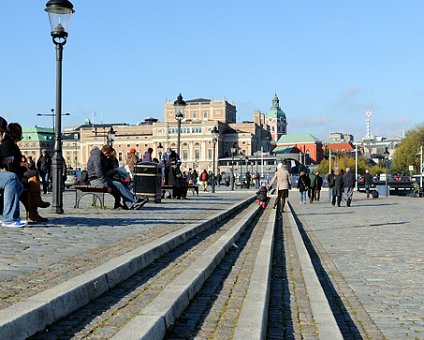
{"x":72,"y":177}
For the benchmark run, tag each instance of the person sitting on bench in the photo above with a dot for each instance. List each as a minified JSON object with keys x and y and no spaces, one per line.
{"x":97,"y":167}
{"x":12,"y":189}
{"x":12,"y":157}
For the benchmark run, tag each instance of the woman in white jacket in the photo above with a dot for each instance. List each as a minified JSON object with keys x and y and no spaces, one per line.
{"x":282,"y":176}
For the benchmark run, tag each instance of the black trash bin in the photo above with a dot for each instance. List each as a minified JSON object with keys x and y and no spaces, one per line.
{"x":148,"y":180}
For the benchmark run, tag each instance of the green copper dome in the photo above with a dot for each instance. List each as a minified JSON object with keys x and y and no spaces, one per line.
{"x":275,"y":111}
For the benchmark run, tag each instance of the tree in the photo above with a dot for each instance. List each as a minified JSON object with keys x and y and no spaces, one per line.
{"x":407,"y":152}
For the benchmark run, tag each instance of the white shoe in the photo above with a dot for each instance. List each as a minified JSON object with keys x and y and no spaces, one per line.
{"x":16,"y":224}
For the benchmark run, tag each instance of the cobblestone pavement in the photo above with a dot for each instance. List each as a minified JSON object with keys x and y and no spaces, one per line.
{"x":376,"y":247}
{"x":80,"y":239}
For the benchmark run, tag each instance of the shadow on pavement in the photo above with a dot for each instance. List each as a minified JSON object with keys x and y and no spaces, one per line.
{"x":346,"y":325}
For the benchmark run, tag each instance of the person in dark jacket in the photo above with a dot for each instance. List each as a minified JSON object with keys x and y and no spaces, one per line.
{"x":330,"y":180}
{"x":349,"y":185}
{"x":303,"y":185}
{"x":317,"y":186}
{"x":31,"y":163}
{"x":262,"y":195}
{"x":12,"y":159}
{"x":12,"y":188}
{"x":44,"y":165}
{"x":99,"y":172}
{"x":311,"y":190}
{"x":368,"y":180}
{"x":338,"y":188}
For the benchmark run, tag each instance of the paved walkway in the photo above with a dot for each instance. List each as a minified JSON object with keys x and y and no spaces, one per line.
{"x":81,"y":230}
{"x":377,"y":246}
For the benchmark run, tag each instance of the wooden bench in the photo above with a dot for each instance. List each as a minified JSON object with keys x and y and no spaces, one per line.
{"x":97,"y":191}
{"x":170,"y":189}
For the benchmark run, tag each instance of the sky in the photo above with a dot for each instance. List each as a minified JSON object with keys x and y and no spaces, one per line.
{"x":328,"y":61}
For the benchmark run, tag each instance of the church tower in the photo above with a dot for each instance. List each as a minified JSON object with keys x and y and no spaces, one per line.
{"x":276,"y":120}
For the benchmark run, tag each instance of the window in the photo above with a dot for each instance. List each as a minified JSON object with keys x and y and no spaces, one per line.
{"x":205,"y":114}
{"x":197,"y":154}
{"x":120,"y":156}
{"x":185,"y":155}
{"x":194,"y":115}
{"x":209,"y":153}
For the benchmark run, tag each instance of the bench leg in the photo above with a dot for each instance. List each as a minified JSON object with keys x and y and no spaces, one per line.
{"x":96,"y":196}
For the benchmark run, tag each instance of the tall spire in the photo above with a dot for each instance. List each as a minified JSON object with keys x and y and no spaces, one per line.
{"x":368,"y":115}
{"x":275,"y":102}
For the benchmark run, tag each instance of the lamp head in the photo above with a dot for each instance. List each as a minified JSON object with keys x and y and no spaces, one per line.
{"x":59,"y":12}
{"x":179,"y":106}
{"x":215,"y":134}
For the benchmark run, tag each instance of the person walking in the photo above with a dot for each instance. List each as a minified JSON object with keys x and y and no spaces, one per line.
{"x":368,"y":180}
{"x":282,"y":177}
{"x":348,"y":185}
{"x":44,"y":165}
{"x":132,"y":160}
{"x":317,"y":186}
{"x":248,"y":179}
{"x":204,"y":179}
{"x":303,"y":185}
{"x":262,"y":195}
{"x":311,"y":190}
{"x":337,"y":188}
{"x":330,"y":180}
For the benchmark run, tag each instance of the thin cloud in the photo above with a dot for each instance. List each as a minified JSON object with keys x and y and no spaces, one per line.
{"x":347,"y":98}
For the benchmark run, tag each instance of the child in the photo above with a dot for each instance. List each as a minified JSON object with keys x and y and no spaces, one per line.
{"x":262,"y":195}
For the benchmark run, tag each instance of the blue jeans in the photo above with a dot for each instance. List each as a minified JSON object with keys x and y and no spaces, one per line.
{"x":45,"y":178}
{"x":12,"y":189}
{"x":303,"y":196}
{"x":119,"y":189}
{"x":367,"y":190}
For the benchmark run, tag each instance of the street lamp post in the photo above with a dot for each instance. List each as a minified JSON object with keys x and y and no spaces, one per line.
{"x":241,"y":168}
{"x":48,"y":114}
{"x":179,"y":106}
{"x":386,"y":165}
{"x":247,"y":171}
{"x":215,"y":137}
{"x":76,"y":137}
{"x":421,"y":166}
{"x":53,"y":116}
{"x":356,"y":167}
{"x":233,"y":152}
{"x":59,"y":12}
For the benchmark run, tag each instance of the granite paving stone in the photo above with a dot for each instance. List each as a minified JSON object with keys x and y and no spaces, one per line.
{"x":376,"y":245}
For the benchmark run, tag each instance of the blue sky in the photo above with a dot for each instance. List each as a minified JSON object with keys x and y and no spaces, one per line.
{"x":328,"y":61}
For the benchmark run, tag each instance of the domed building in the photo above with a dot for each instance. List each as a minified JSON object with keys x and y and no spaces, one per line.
{"x":276,"y":120}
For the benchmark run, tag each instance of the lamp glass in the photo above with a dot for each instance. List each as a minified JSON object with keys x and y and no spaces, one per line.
{"x":179,"y":112}
{"x":59,"y":12}
{"x":179,"y":106}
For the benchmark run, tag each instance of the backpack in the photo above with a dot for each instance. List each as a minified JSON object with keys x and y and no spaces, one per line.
{"x":204,"y":176}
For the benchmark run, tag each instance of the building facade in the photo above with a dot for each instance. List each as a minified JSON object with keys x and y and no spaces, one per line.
{"x":196,"y":139}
